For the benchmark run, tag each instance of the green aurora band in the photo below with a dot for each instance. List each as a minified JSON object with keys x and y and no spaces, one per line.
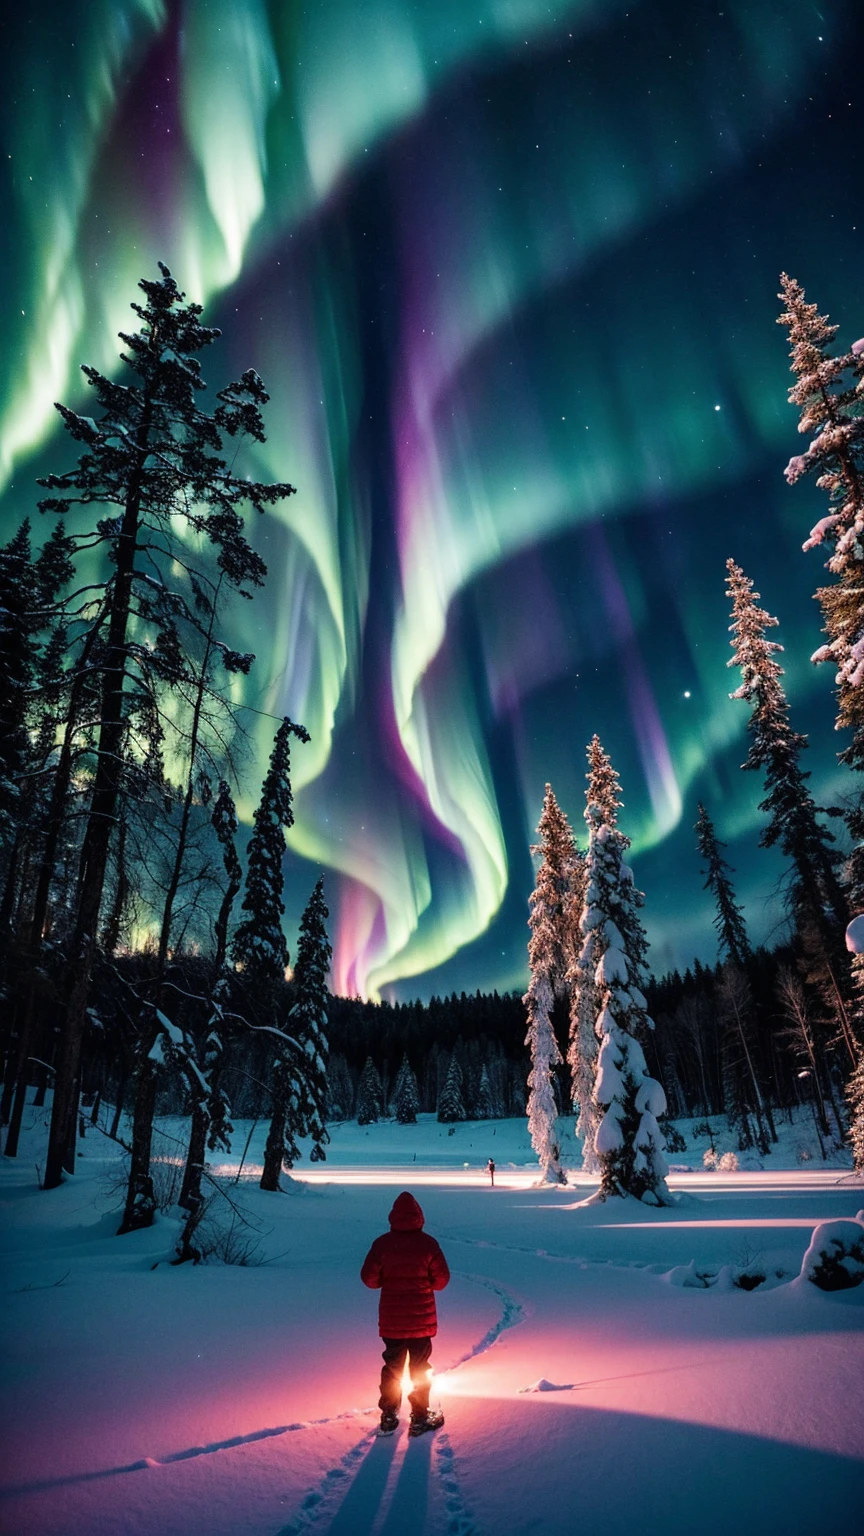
{"x":510,"y":279}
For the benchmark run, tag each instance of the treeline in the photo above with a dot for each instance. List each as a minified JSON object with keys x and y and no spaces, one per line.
{"x":121,"y":749}
{"x":144,"y":967}
{"x":588,"y":946}
{"x":480,"y":1032}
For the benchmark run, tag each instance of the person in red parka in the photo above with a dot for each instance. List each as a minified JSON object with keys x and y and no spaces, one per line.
{"x":408,"y":1267}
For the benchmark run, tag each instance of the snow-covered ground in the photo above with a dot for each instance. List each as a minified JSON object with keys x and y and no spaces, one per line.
{"x":593,"y":1373}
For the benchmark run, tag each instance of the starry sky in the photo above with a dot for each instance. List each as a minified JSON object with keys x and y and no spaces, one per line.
{"x":509,"y":272}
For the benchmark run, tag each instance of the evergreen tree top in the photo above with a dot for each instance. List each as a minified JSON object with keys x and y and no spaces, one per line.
{"x":829,"y":392}
{"x":313,"y":953}
{"x":259,"y":943}
{"x":604,"y":786}
{"x":153,"y":434}
{"x":755,"y":655}
{"x":776,"y":748}
{"x":709,"y":844}
{"x":729,"y":918}
{"x":554,"y":902}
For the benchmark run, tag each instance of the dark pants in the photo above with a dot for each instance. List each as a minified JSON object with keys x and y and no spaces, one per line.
{"x":418,"y":1352}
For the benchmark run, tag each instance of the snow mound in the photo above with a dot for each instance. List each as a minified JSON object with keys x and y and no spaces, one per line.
{"x":834,"y":1260}
{"x":855,"y":935}
{"x":689,"y":1276}
{"x":729,"y":1277}
{"x":548,"y":1386}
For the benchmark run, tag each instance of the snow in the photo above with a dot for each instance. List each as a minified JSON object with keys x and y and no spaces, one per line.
{"x":857,"y":348}
{"x":650,"y":1096}
{"x":855,"y":935}
{"x":611,"y":967}
{"x":842,"y":1241}
{"x":610,"y":1137}
{"x":820,"y":530}
{"x":170,"y":1401}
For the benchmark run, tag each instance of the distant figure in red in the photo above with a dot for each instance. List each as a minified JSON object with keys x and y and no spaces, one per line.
{"x":408,"y":1267}
{"x":490,"y":1169}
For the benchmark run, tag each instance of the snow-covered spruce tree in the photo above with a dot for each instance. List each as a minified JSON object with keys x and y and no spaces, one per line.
{"x":298,"y":1075}
{"x":259,"y":944}
{"x":550,"y":951}
{"x":604,"y":786}
{"x":584,"y":999}
{"x":369,"y":1102}
{"x":208,"y":1104}
{"x":153,"y":466}
{"x":451,"y":1106}
{"x":626,"y":1099}
{"x":485,"y":1097}
{"x":395,"y":1088}
{"x":775,"y":748}
{"x":829,"y":393}
{"x":406,"y":1099}
{"x":732,"y":937}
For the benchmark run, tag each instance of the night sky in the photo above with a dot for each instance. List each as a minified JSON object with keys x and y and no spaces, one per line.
{"x":509,"y":272}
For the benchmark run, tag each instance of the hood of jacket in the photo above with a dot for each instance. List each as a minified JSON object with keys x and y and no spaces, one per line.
{"x":406,"y":1215}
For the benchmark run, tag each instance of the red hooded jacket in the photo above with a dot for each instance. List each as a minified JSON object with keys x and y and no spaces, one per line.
{"x":408,"y":1267}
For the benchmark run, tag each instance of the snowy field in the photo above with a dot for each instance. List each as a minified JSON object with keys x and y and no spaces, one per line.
{"x":599,"y":1368}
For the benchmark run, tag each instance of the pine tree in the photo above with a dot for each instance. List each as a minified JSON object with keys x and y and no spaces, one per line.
{"x":309,"y":1015}
{"x":829,"y":401}
{"x":556,"y":899}
{"x":729,"y":919}
{"x":153,"y":465}
{"x":828,"y":392}
{"x":299,"y":1072}
{"x":604,"y":786}
{"x":582,"y":1054}
{"x":406,"y":1099}
{"x":485,"y":1099}
{"x":224,"y":823}
{"x":550,"y":951}
{"x":259,"y":943}
{"x":626,"y":1099}
{"x":208,"y":1104}
{"x":370,"y":1095}
{"x":775,"y":749}
{"x":451,"y":1106}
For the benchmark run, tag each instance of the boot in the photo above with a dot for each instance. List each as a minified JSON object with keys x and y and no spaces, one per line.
{"x":421,"y":1423}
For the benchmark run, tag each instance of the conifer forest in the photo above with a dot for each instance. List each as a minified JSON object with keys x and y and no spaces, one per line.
{"x":431,"y":768}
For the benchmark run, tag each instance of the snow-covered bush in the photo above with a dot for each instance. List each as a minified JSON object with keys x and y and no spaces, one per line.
{"x":709,"y":1159}
{"x":835,"y":1258}
{"x":728,"y":1163}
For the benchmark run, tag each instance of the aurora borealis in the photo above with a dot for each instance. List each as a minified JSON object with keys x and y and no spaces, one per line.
{"x":510,"y":279}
